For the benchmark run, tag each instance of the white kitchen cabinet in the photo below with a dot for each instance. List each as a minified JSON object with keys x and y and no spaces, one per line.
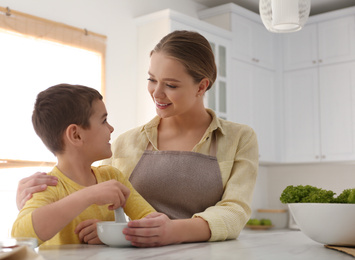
{"x":300,"y":48}
{"x":283,"y":83}
{"x":337,"y":103}
{"x":151,"y":28}
{"x":252,"y":43}
{"x":319,"y":113}
{"x":217,"y":96}
{"x":301,"y":116}
{"x":320,"y":43}
{"x":255,"y":105}
{"x":336,"y":40}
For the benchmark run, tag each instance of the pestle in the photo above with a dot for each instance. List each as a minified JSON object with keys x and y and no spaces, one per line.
{"x":120,"y":216}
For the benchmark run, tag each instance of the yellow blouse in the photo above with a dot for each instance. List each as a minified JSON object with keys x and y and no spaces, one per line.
{"x":237,"y":155}
{"x":136,"y":206}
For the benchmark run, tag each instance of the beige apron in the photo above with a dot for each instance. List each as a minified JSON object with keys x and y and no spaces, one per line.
{"x":179,"y":183}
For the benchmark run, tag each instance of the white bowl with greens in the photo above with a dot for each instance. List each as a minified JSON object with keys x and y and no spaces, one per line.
{"x":322,"y":216}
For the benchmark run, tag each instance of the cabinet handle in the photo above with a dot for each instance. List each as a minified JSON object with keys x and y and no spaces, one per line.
{"x":314,"y":62}
{"x":317,"y":157}
{"x":255,"y":60}
{"x":323,"y":156}
{"x":320,"y":61}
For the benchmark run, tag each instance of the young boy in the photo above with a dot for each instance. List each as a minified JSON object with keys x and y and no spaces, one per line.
{"x":72,"y":122}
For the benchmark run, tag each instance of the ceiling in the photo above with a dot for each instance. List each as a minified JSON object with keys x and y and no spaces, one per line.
{"x":317,"y":6}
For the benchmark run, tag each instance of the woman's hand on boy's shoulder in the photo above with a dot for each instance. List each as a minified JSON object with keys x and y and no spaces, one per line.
{"x":35,"y":183}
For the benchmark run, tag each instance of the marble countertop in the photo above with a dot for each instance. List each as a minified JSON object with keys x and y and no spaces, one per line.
{"x":272,"y":244}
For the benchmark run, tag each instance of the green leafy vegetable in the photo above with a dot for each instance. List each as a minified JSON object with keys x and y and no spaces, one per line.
{"x":311,"y":194}
{"x":253,"y":221}
{"x":265,"y":222}
{"x":351,"y":198}
{"x":343,"y":197}
{"x":257,"y":222}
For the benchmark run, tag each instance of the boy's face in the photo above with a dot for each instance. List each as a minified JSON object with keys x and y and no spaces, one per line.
{"x":96,"y":138}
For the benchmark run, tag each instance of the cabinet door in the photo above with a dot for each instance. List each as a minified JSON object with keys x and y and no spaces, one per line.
{"x":218,"y":97}
{"x":300,"y":48}
{"x":337,"y":96}
{"x":253,"y":43}
{"x":254,"y":92}
{"x":301,"y":116}
{"x":242,"y":85}
{"x":264,"y":112}
{"x":337,"y":40}
{"x":242,"y":39}
{"x":264,"y":46}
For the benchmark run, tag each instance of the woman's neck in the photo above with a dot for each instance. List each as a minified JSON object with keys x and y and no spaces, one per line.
{"x":182,"y":133}
{"x":187,"y":122}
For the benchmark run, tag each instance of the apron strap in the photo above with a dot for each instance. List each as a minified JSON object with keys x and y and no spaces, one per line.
{"x":149,"y":146}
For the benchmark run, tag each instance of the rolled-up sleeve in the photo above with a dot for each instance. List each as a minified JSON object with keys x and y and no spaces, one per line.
{"x":228,"y":217}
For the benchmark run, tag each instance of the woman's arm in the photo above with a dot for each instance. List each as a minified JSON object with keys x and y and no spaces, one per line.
{"x":158,"y":230}
{"x":32,"y":184}
{"x":228,"y":217}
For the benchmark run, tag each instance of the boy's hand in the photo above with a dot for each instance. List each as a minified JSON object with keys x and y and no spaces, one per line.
{"x":110,"y":192}
{"x":87,"y":232}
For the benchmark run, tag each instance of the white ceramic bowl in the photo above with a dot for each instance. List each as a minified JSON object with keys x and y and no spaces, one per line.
{"x":326,"y":223}
{"x":110,"y":233}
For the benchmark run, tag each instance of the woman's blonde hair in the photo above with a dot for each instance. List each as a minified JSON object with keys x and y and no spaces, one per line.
{"x":193,"y":51}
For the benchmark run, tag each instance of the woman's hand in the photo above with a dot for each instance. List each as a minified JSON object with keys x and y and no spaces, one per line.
{"x":157,"y":229}
{"x":35,"y":183}
{"x":154,"y":230}
{"x":87,"y":231}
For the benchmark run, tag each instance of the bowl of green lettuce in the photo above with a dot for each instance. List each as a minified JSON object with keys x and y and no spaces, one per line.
{"x":322,"y":215}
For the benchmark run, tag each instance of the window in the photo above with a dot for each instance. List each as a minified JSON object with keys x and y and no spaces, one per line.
{"x":37,"y":53}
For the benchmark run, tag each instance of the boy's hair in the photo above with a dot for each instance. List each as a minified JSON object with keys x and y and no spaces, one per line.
{"x":58,"y":107}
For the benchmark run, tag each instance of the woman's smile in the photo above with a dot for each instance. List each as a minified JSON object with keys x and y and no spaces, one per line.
{"x":161,"y":105}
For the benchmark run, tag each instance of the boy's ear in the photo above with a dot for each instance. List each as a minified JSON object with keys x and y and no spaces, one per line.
{"x":203,"y":85}
{"x":72,"y":134}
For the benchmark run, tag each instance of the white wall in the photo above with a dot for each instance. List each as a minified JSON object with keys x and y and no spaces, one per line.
{"x":272,"y":180}
{"x":335,"y":177}
{"x":115,"y":19}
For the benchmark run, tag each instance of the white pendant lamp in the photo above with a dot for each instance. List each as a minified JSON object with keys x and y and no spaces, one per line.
{"x":282,"y":16}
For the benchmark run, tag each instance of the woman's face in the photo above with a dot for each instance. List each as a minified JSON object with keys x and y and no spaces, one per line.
{"x":172,"y":89}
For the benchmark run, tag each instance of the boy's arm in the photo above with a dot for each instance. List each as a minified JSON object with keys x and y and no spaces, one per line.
{"x":50,"y":219}
{"x":136,"y":207}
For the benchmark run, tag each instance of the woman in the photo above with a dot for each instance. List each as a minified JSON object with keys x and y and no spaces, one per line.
{"x":197,"y":169}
